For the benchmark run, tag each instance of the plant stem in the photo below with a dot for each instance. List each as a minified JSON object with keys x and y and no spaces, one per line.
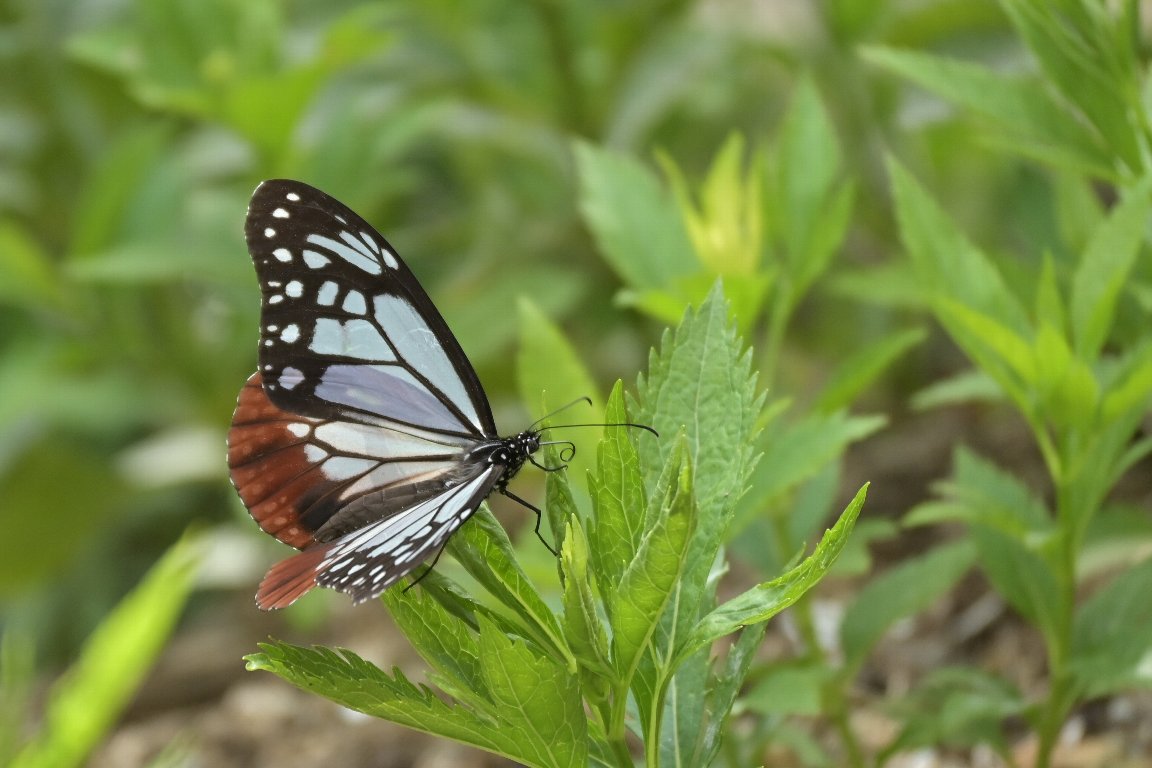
{"x":615,"y":733}
{"x":1061,"y":695}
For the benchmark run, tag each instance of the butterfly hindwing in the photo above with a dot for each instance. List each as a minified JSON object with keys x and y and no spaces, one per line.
{"x":366,"y":562}
{"x":346,"y":330}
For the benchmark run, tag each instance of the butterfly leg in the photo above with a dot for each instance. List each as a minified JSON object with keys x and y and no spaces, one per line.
{"x":427,"y":570}
{"x":539,"y":518}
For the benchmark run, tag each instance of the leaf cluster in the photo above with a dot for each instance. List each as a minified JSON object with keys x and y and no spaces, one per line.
{"x":629,"y":651}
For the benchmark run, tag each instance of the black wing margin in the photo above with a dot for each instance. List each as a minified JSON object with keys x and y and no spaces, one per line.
{"x":346,"y":331}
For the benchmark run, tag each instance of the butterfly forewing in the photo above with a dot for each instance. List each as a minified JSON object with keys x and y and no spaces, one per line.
{"x":364,"y":439}
{"x":346,"y":330}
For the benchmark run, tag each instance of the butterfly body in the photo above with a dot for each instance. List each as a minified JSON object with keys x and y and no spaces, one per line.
{"x":365,"y":438}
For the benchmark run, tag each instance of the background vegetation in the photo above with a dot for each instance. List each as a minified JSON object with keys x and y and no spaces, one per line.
{"x":930,"y":222}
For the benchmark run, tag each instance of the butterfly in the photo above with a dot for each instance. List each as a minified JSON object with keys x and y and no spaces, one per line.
{"x":364,"y":439}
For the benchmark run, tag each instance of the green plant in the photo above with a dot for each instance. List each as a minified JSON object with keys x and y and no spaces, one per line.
{"x":1083,"y":402}
{"x":638,"y":591}
{"x":86,"y":702}
{"x":769,"y":222}
{"x":1066,"y":357}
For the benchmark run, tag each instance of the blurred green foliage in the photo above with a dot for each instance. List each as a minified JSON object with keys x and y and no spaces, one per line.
{"x":863,"y":174}
{"x":134,"y":133}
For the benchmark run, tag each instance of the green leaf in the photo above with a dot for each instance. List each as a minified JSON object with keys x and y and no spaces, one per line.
{"x":798,"y":451}
{"x":30,"y":280}
{"x":636,"y":224}
{"x":764,"y":601}
{"x":1104,"y":270}
{"x":582,"y":624}
{"x":559,"y":505}
{"x":617,"y":498}
{"x":810,"y":211}
{"x":478,"y":311}
{"x":972,"y":385}
{"x":789,"y":688}
{"x":680,"y":734}
{"x":863,"y":367}
{"x":947,"y":263}
{"x":1005,"y":355}
{"x":1112,"y":639}
{"x":1023,"y":107}
{"x":446,"y":643}
{"x":724,"y":689}
{"x":538,"y":700}
{"x":700,"y":381}
{"x":19,"y":688}
{"x":88,"y":700}
{"x":1131,"y":388}
{"x":1049,"y":304}
{"x":484,"y":550}
{"x":958,"y":707}
{"x":727,"y":229}
{"x":899,"y":592}
{"x":1092,"y":65}
{"x":1010,"y":528}
{"x":348,"y":680}
{"x":110,"y":193}
{"x":646,"y":585}
{"x":1067,"y":388}
{"x":812,"y":505}
{"x":41,"y":544}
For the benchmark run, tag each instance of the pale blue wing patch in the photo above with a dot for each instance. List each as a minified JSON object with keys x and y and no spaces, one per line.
{"x":420,"y":349}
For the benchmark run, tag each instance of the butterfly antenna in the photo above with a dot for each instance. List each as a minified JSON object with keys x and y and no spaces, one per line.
{"x":644,"y":427}
{"x":547,"y":416}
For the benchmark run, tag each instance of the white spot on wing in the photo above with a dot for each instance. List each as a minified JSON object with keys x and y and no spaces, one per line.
{"x":294,"y":289}
{"x":275,"y":299}
{"x":290,"y":377}
{"x":298,"y":429}
{"x":356,"y":338}
{"x":269,"y":232}
{"x":293,"y":197}
{"x":291,"y":334}
{"x":354,"y":303}
{"x":326,"y":296}
{"x":282,"y":254}
{"x":316,"y":260}
{"x":279,"y":213}
{"x":389,"y":258}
